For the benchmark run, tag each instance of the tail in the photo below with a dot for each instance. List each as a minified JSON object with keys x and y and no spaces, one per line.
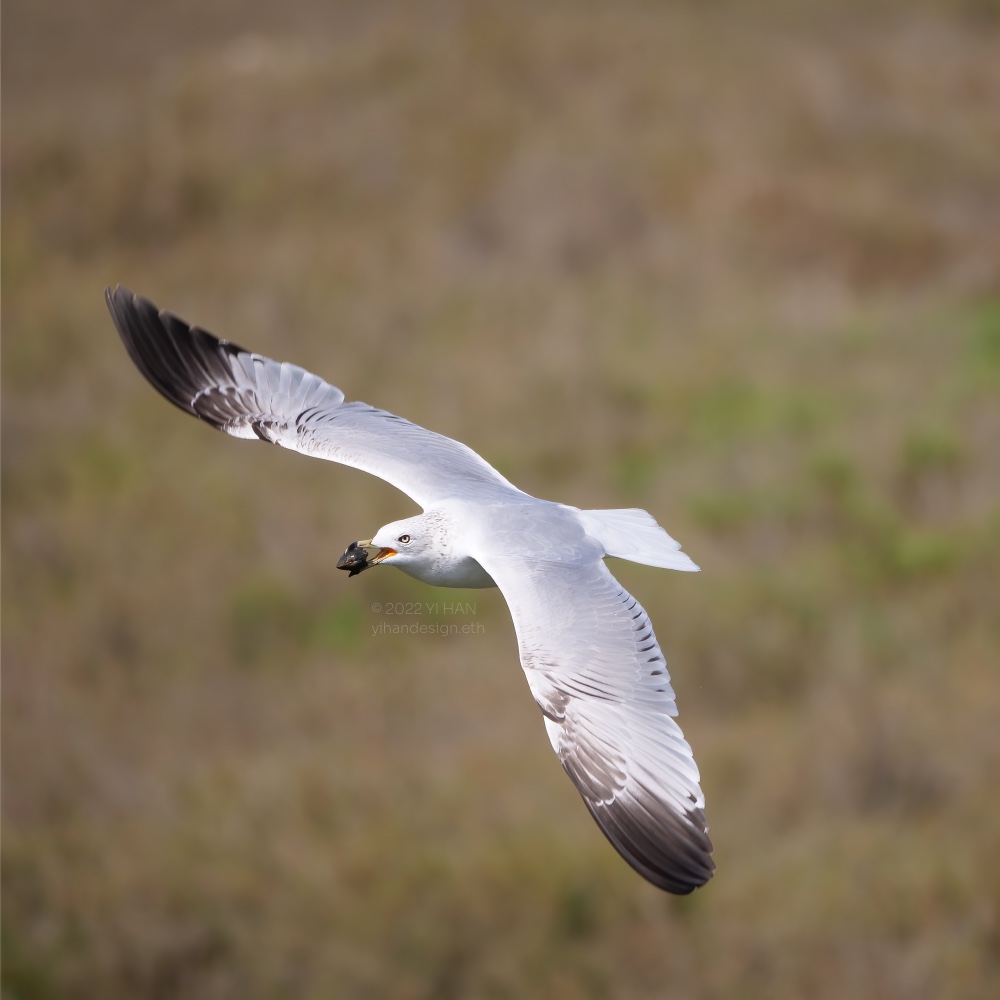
{"x":633,"y":534}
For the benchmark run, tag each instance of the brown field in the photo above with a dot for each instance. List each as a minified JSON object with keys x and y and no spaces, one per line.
{"x":736,"y":264}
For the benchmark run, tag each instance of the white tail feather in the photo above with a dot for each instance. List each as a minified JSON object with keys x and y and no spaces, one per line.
{"x":633,"y":534}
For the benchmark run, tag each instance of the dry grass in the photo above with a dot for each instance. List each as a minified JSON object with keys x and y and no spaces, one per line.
{"x":739,"y":268}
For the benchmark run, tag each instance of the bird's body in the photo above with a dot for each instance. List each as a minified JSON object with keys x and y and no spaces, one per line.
{"x":586,"y":646}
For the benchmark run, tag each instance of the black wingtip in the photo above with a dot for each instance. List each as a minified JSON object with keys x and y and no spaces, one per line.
{"x":152,"y":346}
{"x":187,"y":365}
{"x":671,"y":850}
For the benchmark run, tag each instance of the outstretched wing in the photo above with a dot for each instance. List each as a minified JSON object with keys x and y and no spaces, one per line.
{"x":597,"y":673}
{"x":250,"y":396}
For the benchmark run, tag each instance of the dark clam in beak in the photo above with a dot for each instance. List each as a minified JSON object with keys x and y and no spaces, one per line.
{"x":354,"y":559}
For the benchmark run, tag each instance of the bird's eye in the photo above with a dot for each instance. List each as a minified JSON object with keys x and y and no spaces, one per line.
{"x":403,"y":538}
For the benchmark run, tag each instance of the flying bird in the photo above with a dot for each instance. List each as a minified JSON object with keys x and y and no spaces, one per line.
{"x":587,"y":646}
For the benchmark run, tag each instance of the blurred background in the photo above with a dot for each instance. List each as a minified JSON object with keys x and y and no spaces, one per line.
{"x":736,"y":264}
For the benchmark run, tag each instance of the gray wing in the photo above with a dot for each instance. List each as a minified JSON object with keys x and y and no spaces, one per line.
{"x":597,"y":673}
{"x":250,"y":396}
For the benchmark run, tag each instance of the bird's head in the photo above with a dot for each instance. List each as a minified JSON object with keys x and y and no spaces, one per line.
{"x":401,"y":544}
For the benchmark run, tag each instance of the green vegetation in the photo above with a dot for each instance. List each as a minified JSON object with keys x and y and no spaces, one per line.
{"x":740,"y":268}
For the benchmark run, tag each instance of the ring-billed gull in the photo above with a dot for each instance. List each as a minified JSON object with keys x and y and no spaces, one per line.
{"x":586,"y":646}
